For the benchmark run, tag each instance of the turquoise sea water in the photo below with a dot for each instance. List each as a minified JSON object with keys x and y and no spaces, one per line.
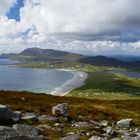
{"x":34,"y":80}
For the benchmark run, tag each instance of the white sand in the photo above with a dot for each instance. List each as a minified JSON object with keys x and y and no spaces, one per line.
{"x":77,"y":81}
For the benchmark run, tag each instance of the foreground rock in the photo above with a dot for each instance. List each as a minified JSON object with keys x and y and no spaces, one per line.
{"x":26,"y":130}
{"x":60,"y":110}
{"x":96,"y":138}
{"x":23,"y":138}
{"x":7,"y":132}
{"x":71,"y":137}
{"x":125,"y":123}
{"x":8,"y":115}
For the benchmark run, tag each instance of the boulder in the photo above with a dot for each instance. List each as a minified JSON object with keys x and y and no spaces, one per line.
{"x":104,"y":123}
{"x":8,"y":115}
{"x":46,"y":118}
{"x":71,"y":137}
{"x":30,"y":117}
{"x":109,"y":130}
{"x":26,"y":130}
{"x":125,"y":123}
{"x":96,"y":138}
{"x":23,"y":138}
{"x":60,"y":110}
{"x":7,"y":132}
{"x":131,"y":138}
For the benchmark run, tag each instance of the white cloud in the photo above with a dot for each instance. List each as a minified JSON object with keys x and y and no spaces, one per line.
{"x":5,"y":5}
{"x":107,"y":22}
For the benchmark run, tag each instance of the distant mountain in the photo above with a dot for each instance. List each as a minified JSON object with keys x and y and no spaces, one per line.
{"x":126,"y":58}
{"x":42,"y":52}
{"x":7,"y":56}
{"x":101,"y":60}
{"x":54,"y":56}
{"x":37,"y":54}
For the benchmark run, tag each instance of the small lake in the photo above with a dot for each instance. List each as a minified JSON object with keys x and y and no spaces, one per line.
{"x":33,"y":80}
{"x":129,"y":74}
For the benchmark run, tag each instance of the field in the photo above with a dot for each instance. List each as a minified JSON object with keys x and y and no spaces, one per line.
{"x":107,"y":85}
{"x":79,"y":108}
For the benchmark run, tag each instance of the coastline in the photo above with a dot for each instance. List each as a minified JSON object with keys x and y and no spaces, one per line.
{"x":77,"y":81}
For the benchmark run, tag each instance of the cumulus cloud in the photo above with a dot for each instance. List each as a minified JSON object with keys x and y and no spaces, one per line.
{"x":5,"y":5}
{"x":100,"y":26}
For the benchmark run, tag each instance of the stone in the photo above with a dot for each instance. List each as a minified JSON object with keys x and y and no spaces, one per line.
{"x":8,"y":115}
{"x":109,"y":130}
{"x":28,"y":116}
{"x":71,"y":137}
{"x":81,"y":124}
{"x":104,"y":123}
{"x":7,"y":132}
{"x":116,"y":139}
{"x":131,"y":138}
{"x":60,"y":110}
{"x":96,"y":138}
{"x":46,"y":118}
{"x":23,"y":138}
{"x":125,"y":123}
{"x":42,"y":127}
{"x":26,"y":130}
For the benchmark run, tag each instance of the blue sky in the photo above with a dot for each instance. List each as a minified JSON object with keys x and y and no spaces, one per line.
{"x":14,"y":11}
{"x":90,"y":26}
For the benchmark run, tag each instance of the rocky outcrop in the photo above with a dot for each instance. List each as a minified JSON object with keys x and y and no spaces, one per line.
{"x":96,"y":138}
{"x":26,"y":130}
{"x":7,"y":132}
{"x":63,"y":127}
{"x":60,"y":110}
{"x":125,"y":123}
{"x":8,"y":115}
{"x":23,"y":138}
{"x":71,"y":137}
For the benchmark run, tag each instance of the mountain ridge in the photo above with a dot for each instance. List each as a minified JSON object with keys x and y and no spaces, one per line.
{"x":50,"y":55}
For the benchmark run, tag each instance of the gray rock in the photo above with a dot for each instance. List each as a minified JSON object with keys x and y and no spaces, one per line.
{"x":137,"y":130}
{"x":23,"y":138}
{"x":96,"y":138}
{"x":123,"y":132}
{"x":28,"y":116}
{"x":125,"y":123}
{"x":26,"y":130}
{"x":47,"y":118}
{"x":131,"y":138}
{"x":7,"y":132}
{"x":104,"y":123}
{"x":81,"y":124}
{"x":7,"y":114}
{"x":42,"y":127}
{"x":109,"y":130}
{"x":71,"y":137}
{"x":60,"y":110}
{"x":116,"y":139}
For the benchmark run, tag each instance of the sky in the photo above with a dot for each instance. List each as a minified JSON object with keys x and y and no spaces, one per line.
{"x":94,"y":27}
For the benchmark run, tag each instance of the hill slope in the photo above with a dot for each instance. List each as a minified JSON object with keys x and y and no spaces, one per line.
{"x":55,"y":56}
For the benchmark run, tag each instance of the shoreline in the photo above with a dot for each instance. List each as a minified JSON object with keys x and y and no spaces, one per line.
{"x":77,"y":81}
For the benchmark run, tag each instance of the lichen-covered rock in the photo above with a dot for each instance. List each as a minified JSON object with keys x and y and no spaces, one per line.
{"x":26,"y":130}
{"x":124,"y":123}
{"x":23,"y":138}
{"x":60,"y":110}
{"x":71,"y":137}
{"x":96,"y":138}
{"x":7,"y":132}
{"x":8,"y":115}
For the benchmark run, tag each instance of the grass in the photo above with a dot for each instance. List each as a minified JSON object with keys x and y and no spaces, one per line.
{"x":79,"y":108}
{"x":108,"y":85}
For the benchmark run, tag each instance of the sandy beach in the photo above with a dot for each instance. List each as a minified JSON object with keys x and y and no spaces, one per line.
{"x":77,"y":81}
